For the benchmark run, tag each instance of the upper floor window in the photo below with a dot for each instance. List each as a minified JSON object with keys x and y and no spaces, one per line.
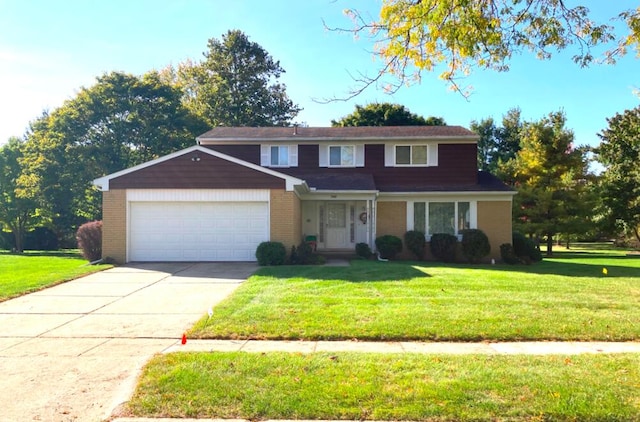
{"x":342,"y":156}
{"x":279,"y":156}
{"x":411,"y":155}
{"x":425,"y":155}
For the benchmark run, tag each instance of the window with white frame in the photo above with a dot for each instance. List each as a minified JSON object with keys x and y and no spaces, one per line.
{"x":411,"y":155}
{"x":279,"y":156}
{"x":342,"y":156}
{"x":442,"y":217}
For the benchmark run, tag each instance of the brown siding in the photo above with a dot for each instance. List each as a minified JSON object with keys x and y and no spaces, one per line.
{"x":286,"y":223}
{"x":114,"y":225}
{"x":494,"y":218}
{"x":457,"y":166}
{"x":250,"y":153}
{"x":208,"y":173}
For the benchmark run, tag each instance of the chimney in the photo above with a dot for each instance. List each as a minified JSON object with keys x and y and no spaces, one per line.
{"x":295,"y":128}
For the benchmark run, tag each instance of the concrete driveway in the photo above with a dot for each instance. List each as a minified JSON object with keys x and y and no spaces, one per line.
{"x":73,"y":352}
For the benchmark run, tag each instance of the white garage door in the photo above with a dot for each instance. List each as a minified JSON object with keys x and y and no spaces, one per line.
{"x":197,"y":231}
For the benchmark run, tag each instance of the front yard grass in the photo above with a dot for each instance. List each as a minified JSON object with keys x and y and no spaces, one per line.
{"x":389,"y":387}
{"x":564,"y":298}
{"x":32,"y":270}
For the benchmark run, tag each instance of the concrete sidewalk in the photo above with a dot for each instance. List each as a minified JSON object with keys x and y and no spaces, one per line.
{"x":506,"y":348}
{"x":73,"y":352}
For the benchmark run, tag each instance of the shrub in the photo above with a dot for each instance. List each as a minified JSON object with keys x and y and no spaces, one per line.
{"x":271,"y":253}
{"x":443,"y":246}
{"x":475,"y":245}
{"x":525,"y":248}
{"x":389,"y":246}
{"x":415,"y":242}
{"x":89,"y":236}
{"x":508,"y":255}
{"x":363,"y":250}
{"x":303,"y":255}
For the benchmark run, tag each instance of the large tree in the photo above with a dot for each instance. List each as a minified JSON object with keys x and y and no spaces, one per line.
{"x":423,"y":35}
{"x":386,"y":114}
{"x":18,"y":210}
{"x":236,"y":85}
{"x":498,"y":144}
{"x":549,"y":173}
{"x":121,"y":121}
{"x":619,"y":152}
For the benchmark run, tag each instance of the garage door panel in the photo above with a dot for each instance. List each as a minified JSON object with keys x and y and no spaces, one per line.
{"x":193,"y":231}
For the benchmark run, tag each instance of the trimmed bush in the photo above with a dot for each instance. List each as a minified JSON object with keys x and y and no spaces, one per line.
{"x":363,"y":250}
{"x":389,"y":246}
{"x":525,"y":249}
{"x":415,"y":242}
{"x":271,"y":253}
{"x":303,"y":255}
{"x":443,"y":246}
{"x":89,"y":236}
{"x":508,"y":255}
{"x":475,"y":245}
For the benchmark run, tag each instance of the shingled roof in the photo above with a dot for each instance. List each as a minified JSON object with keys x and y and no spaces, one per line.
{"x":335,"y":133}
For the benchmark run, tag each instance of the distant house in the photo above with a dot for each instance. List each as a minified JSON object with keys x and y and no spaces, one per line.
{"x":239,"y":186}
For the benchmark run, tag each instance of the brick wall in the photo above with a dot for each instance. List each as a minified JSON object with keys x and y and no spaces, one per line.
{"x":114,"y":225}
{"x":494,"y":219}
{"x":391,"y":219}
{"x":286,"y":223}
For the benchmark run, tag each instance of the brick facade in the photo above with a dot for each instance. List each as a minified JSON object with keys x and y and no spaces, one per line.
{"x":494,"y":219}
{"x":114,"y":225}
{"x":286,"y":217}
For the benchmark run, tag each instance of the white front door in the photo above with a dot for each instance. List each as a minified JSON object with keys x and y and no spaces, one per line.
{"x":336,"y":225}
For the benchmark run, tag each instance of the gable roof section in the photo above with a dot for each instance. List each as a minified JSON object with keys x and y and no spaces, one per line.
{"x":315,"y":134}
{"x":104,"y":182}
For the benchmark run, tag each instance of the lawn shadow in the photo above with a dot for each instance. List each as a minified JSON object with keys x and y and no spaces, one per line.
{"x":359,"y":271}
{"x":569,"y":264}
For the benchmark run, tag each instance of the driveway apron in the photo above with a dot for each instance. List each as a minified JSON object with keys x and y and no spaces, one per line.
{"x":73,"y":352}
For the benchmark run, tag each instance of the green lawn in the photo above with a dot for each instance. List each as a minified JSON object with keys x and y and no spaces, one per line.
{"x":31,"y":271}
{"x":389,"y":387}
{"x":567,"y":297}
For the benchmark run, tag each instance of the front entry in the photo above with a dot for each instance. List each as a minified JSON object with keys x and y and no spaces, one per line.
{"x":337,"y":234}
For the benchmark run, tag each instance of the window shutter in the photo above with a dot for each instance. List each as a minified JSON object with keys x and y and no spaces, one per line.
{"x":389,"y":156}
{"x":323,"y":156}
{"x":432,"y":155}
{"x":293,"y":156}
{"x":359,"y":155}
{"x":265,"y":159}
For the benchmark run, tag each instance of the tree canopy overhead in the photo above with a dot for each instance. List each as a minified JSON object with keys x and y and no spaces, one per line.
{"x":421,"y":35}
{"x":386,"y":114}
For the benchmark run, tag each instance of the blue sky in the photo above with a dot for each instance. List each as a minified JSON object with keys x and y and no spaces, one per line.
{"x":49,"y":49}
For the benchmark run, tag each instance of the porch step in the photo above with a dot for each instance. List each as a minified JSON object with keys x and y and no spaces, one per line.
{"x":347,"y":255}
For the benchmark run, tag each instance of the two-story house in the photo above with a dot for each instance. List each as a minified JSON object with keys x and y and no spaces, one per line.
{"x":239,"y":186}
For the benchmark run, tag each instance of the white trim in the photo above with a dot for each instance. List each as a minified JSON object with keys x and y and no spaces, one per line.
{"x":103,"y":182}
{"x":198,"y":195}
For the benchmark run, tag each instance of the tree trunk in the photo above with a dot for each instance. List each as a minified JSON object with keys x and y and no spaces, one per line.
{"x":637,"y":233}
{"x":19,"y":238}
{"x":549,"y":245}
{"x":568,"y":240}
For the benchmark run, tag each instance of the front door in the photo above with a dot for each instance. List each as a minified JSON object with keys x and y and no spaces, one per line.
{"x":336,"y":225}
